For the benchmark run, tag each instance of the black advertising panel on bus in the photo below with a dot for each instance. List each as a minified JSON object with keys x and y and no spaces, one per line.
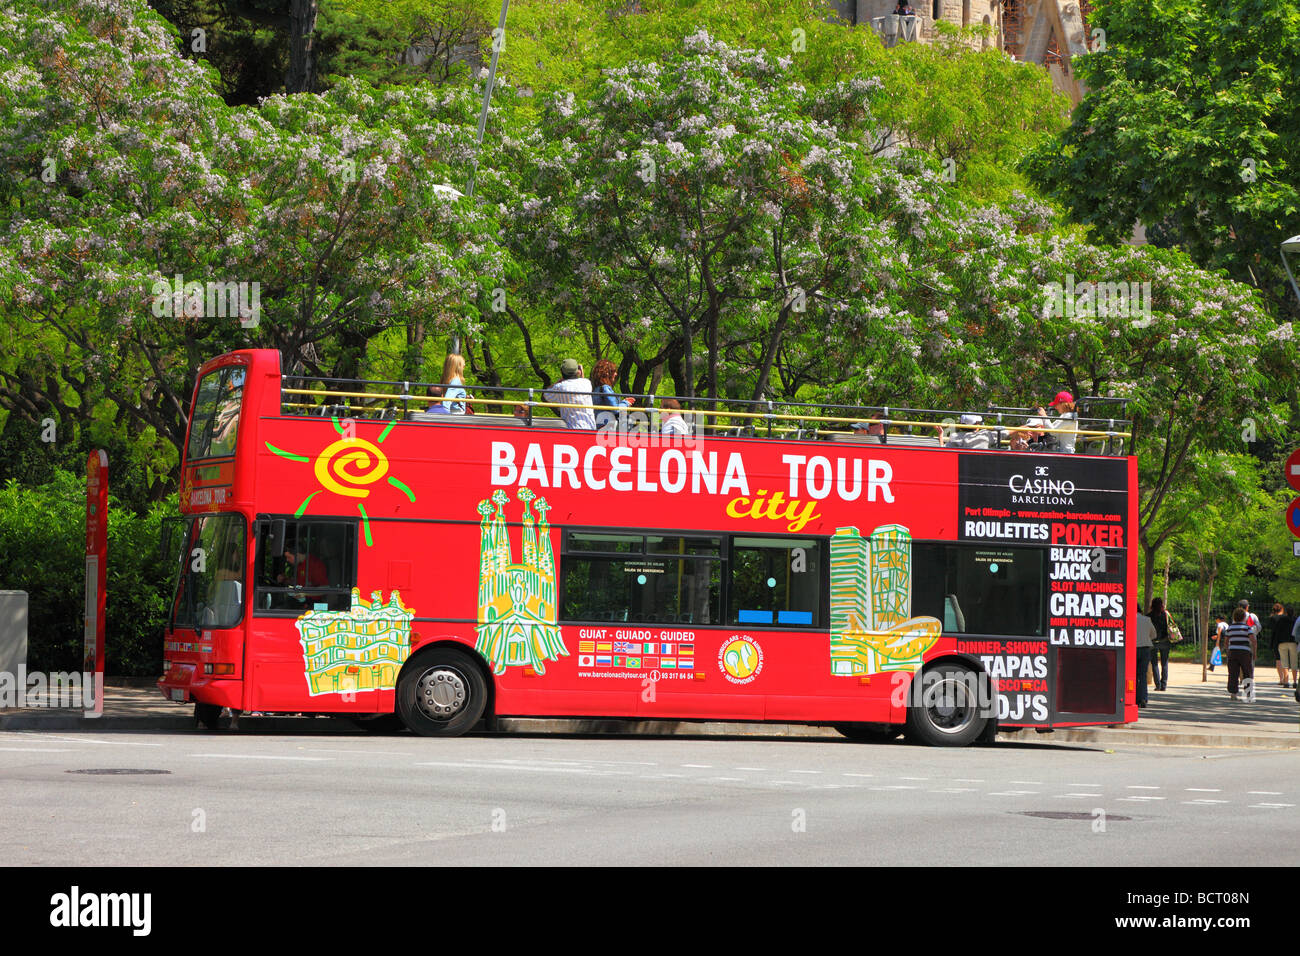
{"x":1074,"y":512}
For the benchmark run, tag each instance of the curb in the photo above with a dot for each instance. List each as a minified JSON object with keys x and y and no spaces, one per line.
{"x":647,"y":728}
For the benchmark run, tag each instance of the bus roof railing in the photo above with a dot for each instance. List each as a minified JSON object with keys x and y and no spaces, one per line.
{"x":315,"y":395}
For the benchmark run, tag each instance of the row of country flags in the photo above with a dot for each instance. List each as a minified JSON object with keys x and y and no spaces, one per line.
{"x":639,"y":663}
{"x":670,"y":649}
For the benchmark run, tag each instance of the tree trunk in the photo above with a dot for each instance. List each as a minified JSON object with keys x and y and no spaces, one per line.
{"x":302,"y":24}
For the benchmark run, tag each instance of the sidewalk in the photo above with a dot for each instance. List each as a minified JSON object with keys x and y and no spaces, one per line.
{"x":1188,"y":714}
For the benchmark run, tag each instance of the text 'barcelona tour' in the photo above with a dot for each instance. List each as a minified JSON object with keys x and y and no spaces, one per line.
{"x":674,"y":471}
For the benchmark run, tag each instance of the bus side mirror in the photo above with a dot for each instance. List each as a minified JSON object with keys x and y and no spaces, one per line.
{"x":276,"y":539}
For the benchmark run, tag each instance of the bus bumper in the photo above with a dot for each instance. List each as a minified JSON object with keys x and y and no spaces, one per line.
{"x":184,"y":682}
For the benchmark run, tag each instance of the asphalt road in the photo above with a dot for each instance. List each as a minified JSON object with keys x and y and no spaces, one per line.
{"x":328,"y":800}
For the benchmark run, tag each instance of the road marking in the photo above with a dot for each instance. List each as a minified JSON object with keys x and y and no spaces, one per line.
{"x":729,"y":779}
{"x":39,"y":750}
{"x":968,"y":780}
{"x":1011,"y":793}
{"x":257,"y":757}
{"x":1204,"y":800}
{"x":1265,"y":793}
{"x":1141,"y":798}
{"x":1083,"y":785}
{"x":91,"y":740}
{"x":897,"y":786}
{"x":755,"y":769}
{"x":519,"y":766}
{"x":1035,"y":783}
{"x":699,"y":766}
{"x":858,"y":774}
{"x":381,"y":753}
{"x":955,"y":790}
{"x":1138,"y":786}
{"x":816,"y":771}
{"x":1271,"y":806}
{"x":913,"y":778}
{"x":1203,"y":790}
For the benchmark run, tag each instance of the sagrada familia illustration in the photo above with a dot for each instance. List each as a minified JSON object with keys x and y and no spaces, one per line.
{"x":516,"y":601}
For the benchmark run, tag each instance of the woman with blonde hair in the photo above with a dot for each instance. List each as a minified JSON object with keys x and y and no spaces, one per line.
{"x":453,"y":370}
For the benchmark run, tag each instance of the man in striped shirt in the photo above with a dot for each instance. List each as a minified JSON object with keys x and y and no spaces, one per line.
{"x":1241,"y":651}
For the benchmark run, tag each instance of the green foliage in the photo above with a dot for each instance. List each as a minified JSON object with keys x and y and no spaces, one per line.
{"x":1190,"y":126}
{"x":42,"y":552}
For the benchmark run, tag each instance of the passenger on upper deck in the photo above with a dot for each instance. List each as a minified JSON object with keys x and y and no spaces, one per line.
{"x":607,"y":403}
{"x":438,"y":407}
{"x":1063,"y":404}
{"x":453,"y":370}
{"x":673,"y":423}
{"x":971,"y":437}
{"x":572,"y":389}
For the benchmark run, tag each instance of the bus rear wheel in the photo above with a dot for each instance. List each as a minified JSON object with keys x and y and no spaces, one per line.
{"x":869,"y":733}
{"x":944,"y":706}
{"x":441,"y":693}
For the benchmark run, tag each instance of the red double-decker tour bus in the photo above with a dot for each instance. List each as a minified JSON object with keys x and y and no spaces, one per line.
{"x":351,"y":548}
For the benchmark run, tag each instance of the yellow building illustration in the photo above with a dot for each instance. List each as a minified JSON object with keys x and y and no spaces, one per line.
{"x":356,"y":650}
{"x":516,"y":601}
{"x":872,"y":628}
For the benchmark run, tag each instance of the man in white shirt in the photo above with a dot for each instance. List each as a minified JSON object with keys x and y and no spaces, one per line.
{"x":673,"y":423}
{"x":573,"y":389}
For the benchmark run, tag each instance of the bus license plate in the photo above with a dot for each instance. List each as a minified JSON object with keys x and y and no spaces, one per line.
{"x":178,"y":694}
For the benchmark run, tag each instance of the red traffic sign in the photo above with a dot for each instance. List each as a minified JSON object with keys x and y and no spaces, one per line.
{"x":1292,"y":469}
{"x":1293,"y":516}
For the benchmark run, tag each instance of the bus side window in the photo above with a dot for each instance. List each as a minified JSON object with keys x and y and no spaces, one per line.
{"x":315,"y":568}
{"x":776,"y":581}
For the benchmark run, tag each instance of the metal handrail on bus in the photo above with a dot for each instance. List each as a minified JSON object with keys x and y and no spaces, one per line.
{"x":764,"y":410}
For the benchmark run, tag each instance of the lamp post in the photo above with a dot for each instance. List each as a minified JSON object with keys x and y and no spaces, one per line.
{"x":1292,"y":245}
{"x":498,"y":41}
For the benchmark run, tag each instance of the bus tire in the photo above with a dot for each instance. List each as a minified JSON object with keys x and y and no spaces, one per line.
{"x":208,"y":715}
{"x":869,"y":733}
{"x":441,"y":693}
{"x":947,"y":713}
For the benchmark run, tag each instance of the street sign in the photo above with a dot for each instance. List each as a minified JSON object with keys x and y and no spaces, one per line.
{"x":1292,"y":469}
{"x":1295,"y":548}
{"x":1293,"y":516}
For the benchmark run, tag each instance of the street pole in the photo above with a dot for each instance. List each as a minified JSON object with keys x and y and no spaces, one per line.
{"x":498,"y":41}
{"x":1291,"y":245}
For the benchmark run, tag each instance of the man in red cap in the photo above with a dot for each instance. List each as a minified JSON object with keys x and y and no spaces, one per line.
{"x":1066,"y":426}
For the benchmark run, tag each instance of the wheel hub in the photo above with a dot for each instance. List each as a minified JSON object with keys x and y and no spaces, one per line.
{"x":441,"y":693}
{"x":950,"y":706}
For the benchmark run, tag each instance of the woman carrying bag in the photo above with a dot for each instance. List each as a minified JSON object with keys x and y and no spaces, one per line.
{"x":1161,"y":645}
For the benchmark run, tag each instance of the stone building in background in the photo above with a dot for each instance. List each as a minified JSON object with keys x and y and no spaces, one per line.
{"x":1047,"y":32}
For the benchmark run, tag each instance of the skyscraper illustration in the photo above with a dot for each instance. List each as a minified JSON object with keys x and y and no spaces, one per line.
{"x":872,"y":628}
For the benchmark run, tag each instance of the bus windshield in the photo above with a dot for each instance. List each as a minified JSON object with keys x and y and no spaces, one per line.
{"x":210,"y":591}
{"x":214,"y":425}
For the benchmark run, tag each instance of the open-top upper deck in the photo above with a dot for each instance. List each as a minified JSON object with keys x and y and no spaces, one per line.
{"x":1100,"y":427}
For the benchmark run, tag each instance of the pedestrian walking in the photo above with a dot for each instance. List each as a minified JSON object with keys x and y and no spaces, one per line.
{"x":1160,"y":644}
{"x":1241,"y":656}
{"x":1280,"y":626}
{"x":1146,"y":634}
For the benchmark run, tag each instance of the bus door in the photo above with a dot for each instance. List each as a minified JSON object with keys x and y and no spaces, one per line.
{"x":204,"y":642}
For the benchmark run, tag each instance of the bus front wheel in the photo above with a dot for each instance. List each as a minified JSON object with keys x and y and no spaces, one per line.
{"x":209,"y":715}
{"x":441,"y":693}
{"x":945,"y":706}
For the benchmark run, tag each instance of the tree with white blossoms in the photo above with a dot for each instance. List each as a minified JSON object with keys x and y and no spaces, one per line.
{"x":124,"y":169}
{"x":692,"y":201}
{"x":708,"y":211}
